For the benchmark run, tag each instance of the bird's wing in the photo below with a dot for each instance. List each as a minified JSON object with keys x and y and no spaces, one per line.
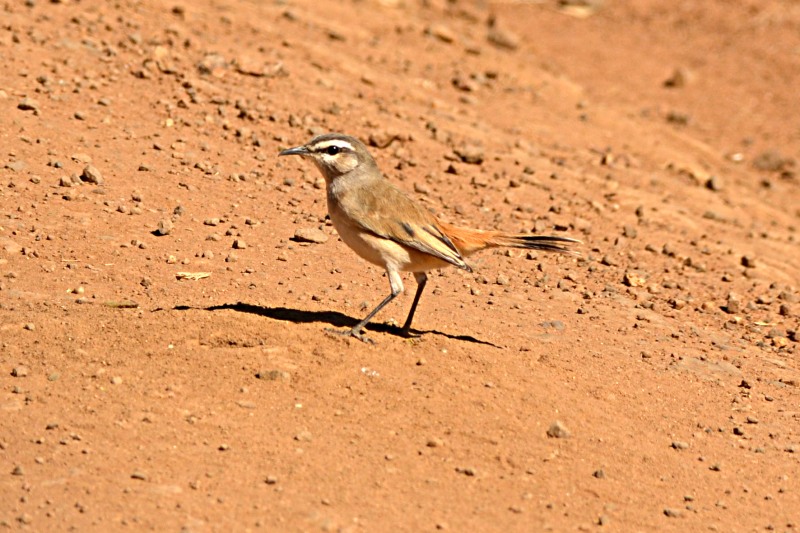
{"x":387,"y":212}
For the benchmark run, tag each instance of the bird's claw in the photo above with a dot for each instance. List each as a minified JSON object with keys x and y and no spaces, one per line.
{"x":349,"y":333}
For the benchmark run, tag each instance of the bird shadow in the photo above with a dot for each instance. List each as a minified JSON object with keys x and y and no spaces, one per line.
{"x":334,"y":318}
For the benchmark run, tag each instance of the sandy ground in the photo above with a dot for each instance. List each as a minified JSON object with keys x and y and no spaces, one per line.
{"x":649,"y":385}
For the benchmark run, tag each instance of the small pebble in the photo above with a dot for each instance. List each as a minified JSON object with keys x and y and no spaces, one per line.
{"x":274,"y":375}
{"x":749,"y":261}
{"x":629,"y":231}
{"x":165,"y":226}
{"x":733,"y":305}
{"x":313,"y":235}
{"x":714,"y":183}
{"x":558,"y":430}
{"x":28,"y":104}
{"x":303,"y":436}
{"x":91,"y":175}
{"x":470,"y":153}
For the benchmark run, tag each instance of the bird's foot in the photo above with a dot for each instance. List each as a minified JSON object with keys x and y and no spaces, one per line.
{"x":407,"y":333}
{"x":349,"y":333}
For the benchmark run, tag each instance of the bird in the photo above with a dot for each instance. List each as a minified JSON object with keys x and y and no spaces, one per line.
{"x":388,"y":228}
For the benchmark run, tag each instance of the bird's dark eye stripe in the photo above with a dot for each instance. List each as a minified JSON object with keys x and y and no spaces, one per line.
{"x":331,"y":149}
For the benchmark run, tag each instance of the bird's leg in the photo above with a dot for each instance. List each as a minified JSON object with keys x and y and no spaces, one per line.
{"x":396,"y":284}
{"x":422,"y":279}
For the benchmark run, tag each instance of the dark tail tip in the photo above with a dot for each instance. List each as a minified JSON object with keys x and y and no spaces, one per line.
{"x":549,"y":243}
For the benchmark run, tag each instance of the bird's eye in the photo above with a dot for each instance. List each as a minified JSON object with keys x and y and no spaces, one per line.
{"x":332,"y":150}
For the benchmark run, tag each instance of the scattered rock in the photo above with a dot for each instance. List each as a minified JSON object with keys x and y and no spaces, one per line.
{"x":580,"y":8}
{"x":381,"y":138}
{"x":680,"y":77}
{"x":501,"y":37}
{"x":634,"y":279}
{"x":29,"y":104}
{"x":715,"y":183}
{"x":733,"y":305}
{"x":678,"y":117}
{"x":165,"y":227}
{"x":303,"y":436}
{"x":472,"y":154}
{"x":90,"y":174}
{"x":558,"y":430}
{"x":609,"y":260}
{"x":239,"y":244}
{"x":274,"y":375}
{"x":749,"y":261}
{"x":441,"y":32}
{"x":20,"y":371}
{"x":313,"y":235}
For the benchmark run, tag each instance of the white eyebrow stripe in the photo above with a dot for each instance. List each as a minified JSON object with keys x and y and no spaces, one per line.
{"x":334,"y":142}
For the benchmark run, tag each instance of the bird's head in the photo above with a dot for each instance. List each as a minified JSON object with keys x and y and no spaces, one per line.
{"x":335,"y":155}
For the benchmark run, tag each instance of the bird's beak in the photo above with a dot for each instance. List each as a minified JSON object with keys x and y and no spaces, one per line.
{"x":297,"y":150}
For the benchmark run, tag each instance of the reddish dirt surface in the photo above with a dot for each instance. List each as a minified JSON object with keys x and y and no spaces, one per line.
{"x":133,"y":400}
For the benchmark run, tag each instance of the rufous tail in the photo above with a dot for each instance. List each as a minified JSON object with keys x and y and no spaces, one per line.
{"x":469,"y":241}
